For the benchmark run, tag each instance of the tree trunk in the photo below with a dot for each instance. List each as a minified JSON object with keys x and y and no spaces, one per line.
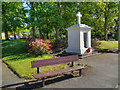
{"x":40,"y":33}
{"x":117,"y":29}
{"x":33,"y":37}
{"x":105,"y":26}
{"x":33,"y":28}
{"x":57,"y":34}
{"x":14,"y":35}
{"x":47,"y":36}
{"x":6,"y":35}
{"x":56,"y":29}
{"x":18,"y":34}
{"x":106,"y":37}
{"x":59,"y":8}
{"x":106,"y":13}
{"x":117,"y":34}
{"x":6,"y":30}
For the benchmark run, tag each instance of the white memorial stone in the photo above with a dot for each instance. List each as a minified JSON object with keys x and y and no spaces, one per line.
{"x":79,"y":37}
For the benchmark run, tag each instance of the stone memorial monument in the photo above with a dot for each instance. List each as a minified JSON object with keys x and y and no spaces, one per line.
{"x":79,"y":38}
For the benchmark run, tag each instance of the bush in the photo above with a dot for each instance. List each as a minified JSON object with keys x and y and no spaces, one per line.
{"x":95,"y":43}
{"x":38,"y":46}
{"x":61,"y":43}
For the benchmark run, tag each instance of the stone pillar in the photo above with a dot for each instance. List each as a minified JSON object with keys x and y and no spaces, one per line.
{"x":81,"y":40}
{"x":89,"y":39}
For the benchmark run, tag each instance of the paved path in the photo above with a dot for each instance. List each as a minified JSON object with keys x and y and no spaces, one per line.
{"x":8,"y":77}
{"x":0,"y":73}
{"x":102,"y":74}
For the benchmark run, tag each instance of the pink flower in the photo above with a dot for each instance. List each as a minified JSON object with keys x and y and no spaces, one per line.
{"x":37,"y":44}
{"x":33,"y":43}
{"x":41,"y":40}
{"x":50,"y":51}
{"x":36,"y":39}
{"x":48,"y":41}
{"x":45,"y":48}
{"x":29,"y":44}
{"x":48,"y":48}
{"x":45,"y":43}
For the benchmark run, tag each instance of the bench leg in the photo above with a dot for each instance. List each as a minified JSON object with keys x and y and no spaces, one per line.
{"x":80,"y":72}
{"x":43,"y":81}
{"x":26,"y":83}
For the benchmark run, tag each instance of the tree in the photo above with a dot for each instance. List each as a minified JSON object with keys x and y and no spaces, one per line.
{"x":30,"y":20}
{"x":52,"y":17}
{"x":106,"y":13}
{"x":12,"y":17}
{"x":101,"y":17}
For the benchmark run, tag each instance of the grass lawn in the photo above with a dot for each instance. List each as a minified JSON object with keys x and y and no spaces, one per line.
{"x":108,"y":45}
{"x":14,"y":55}
{"x":19,"y":61}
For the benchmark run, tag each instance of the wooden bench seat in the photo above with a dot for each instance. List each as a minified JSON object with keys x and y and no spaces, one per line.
{"x":56,"y":72}
{"x":55,"y":61}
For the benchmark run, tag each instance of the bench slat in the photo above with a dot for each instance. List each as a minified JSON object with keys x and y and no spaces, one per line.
{"x":53,"y":61}
{"x":52,"y":73}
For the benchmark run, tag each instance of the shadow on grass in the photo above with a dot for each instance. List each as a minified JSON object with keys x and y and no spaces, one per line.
{"x":17,"y":57}
{"x":21,"y":56}
{"x":64,"y":53}
{"x":12,"y":48}
{"x":36,"y":84}
{"x":108,"y":51}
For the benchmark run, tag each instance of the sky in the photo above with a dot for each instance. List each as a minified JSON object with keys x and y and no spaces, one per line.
{"x":26,"y":8}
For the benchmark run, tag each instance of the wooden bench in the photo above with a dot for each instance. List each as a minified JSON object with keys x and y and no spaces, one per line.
{"x":54,"y":61}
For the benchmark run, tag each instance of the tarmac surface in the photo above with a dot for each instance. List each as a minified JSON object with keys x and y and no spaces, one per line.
{"x":8,"y":77}
{"x":0,"y":73}
{"x":102,"y":72}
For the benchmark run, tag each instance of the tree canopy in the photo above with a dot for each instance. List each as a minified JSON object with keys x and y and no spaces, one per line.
{"x":50,"y":19}
{"x":12,"y":17}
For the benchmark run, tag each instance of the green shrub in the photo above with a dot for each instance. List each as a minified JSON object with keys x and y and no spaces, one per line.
{"x":61,"y":43}
{"x":95,"y":44}
{"x":38,"y":46}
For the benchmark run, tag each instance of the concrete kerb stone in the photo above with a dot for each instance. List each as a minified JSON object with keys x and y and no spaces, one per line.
{"x":88,"y":55}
